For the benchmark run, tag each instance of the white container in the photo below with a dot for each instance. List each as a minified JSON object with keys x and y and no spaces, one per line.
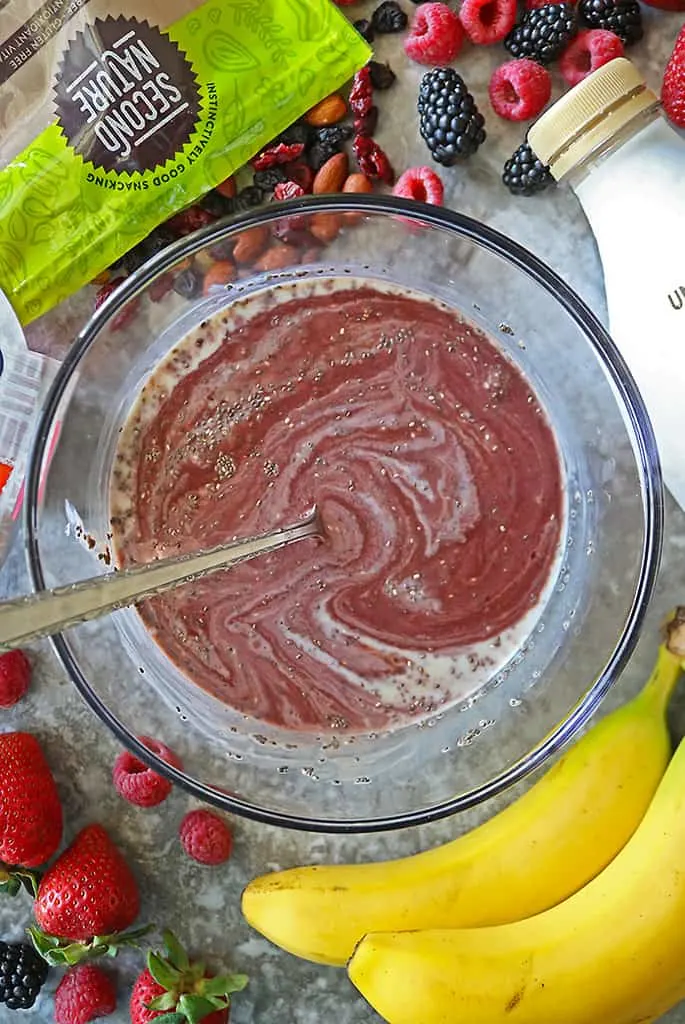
{"x":609,"y":140}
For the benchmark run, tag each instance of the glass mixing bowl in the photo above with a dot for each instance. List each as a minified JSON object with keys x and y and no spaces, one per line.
{"x":583,"y":635}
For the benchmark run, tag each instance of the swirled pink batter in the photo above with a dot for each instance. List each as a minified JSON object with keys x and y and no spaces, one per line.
{"x":438,"y":478}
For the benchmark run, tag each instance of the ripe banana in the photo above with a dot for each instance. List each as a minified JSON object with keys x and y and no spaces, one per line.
{"x":538,"y":851}
{"x":614,"y":952}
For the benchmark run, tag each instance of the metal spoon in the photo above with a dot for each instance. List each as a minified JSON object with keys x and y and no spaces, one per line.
{"x":49,"y":611}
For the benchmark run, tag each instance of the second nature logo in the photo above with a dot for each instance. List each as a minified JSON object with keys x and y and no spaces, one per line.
{"x":127,"y":98}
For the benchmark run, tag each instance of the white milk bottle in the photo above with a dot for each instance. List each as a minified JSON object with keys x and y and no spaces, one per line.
{"x":609,"y":140}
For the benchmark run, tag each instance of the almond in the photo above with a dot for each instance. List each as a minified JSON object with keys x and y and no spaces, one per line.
{"x":331,"y":176}
{"x":278,"y":257}
{"x":325,"y":226}
{"x":251,"y":243}
{"x":357,"y":184}
{"x":220,"y":273}
{"x":329,"y":111}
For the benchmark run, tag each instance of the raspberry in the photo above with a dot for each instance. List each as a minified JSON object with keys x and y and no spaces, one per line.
{"x":488,"y":21}
{"x":139,"y":784}
{"x":591,"y":48}
{"x":673,"y":86}
{"x":436,"y":35}
{"x":15,"y":675}
{"x":206,"y":837}
{"x":361,"y":93}
{"x":421,"y":184}
{"x":519,"y":89}
{"x":372,"y":160}
{"x":288,"y":190}
{"x":107,"y":289}
{"x":84,"y":993}
{"x":281,"y":153}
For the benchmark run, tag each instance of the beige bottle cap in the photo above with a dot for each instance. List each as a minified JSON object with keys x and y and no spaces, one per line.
{"x":589,"y":115}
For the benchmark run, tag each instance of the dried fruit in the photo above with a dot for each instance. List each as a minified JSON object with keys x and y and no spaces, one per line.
{"x":372,"y":160}
{"x":288,"y":190}
{"x":328,"y":111}
{"x":279,"y":153}
{"x":389,"y":17}
{"x":227,"y":188}
{"x":332,"y":175}
{"x":361,"y":93}
{"x":367,"y":124}
{"x":381,"y":76}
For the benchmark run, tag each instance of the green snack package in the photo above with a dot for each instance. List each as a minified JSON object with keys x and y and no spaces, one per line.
{"x":114,"y":116}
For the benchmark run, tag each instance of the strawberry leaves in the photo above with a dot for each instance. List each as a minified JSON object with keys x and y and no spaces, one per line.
{"x":189,"y":994}
{"x":63,"y":953}
{"x":14,"y":879}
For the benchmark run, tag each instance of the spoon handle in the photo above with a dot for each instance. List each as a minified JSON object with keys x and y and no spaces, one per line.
{"x":49,"y":611}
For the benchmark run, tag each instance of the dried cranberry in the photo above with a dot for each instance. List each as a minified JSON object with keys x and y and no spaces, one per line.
{"x":361,"y":94}
{"x":278,"y":154}
{"x":372,"y":160}
{"x":382,"y":75}
{"x":301,"y":173}
{"x":288,"y":190}
{"x":106,"y":290}
{"x":367,"y":125}
{"x":192,"y":219}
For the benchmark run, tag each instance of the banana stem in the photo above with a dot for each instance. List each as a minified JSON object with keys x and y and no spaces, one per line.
{"x":669,"y":664}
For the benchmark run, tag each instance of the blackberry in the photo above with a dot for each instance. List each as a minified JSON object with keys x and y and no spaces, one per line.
{"x":267,"y":179}
{"x":450,"y":121}
{"x":365,"y":29}
{"x":622,"y":17}
{"x":216,"y":204}
{"x":543,"y":34}
{"x":382,"y":75}
{"x":524,"y":174}
{"x":249,"y":196}
{"x":22,"y":975}
{"x":188,"y":283}
{"x":157,"y":240}
{"x":389,"y":17}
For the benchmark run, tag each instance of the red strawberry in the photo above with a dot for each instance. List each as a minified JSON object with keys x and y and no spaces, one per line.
{"x":30,"y":811}
{"x":84,"y":993}
{"x":89,"y":891}
{"x":673,"y":87}
{"x":172,"y":983}
{"x":15,"y":676}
